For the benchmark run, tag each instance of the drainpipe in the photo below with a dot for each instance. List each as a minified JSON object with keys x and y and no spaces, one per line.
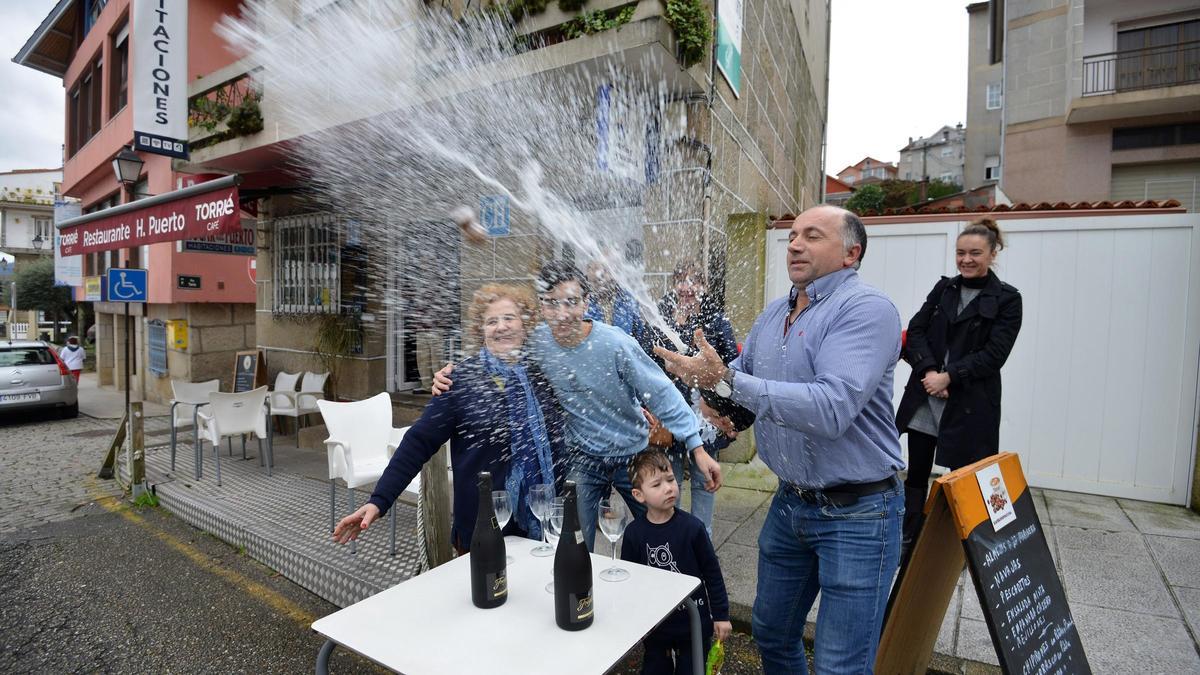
{"x":825,"y":110}
{"x":1003,"y":100}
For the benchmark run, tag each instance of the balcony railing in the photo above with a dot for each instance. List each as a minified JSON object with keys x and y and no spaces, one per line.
{"x":1149,"y":68}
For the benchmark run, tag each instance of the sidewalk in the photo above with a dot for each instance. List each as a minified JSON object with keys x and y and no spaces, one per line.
{"x":107,"y":403}
{"x":1131,"y":570}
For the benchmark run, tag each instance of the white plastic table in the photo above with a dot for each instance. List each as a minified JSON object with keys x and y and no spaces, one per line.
{"x":428,"y":624}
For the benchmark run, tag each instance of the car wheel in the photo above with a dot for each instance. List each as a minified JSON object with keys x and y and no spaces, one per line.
{"x":69,"y":412}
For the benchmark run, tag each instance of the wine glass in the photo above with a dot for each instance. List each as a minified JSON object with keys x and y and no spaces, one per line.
{"x":539,"y":504}
{"x":502,"y":507}
{"x":613,"y":519}
{"x":554,"y":523}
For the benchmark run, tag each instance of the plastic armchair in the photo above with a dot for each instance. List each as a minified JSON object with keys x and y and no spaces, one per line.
{"x":360,"y":445}
{"x":283,"y":394}
{"x":188,"y":397}
{"x":299,"y":404}
{"x":229,"y":415}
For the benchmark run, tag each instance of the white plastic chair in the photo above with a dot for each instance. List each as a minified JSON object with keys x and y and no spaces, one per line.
{"x":360,"y":445}
{"x":187,"y":401}
{"x":298,"y":404}
{"x":229,"y":415}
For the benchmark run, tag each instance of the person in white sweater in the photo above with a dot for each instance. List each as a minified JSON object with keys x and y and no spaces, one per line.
{"x":72,"y":355}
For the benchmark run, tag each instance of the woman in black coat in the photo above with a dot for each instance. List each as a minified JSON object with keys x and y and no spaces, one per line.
{"x":956,"y":344}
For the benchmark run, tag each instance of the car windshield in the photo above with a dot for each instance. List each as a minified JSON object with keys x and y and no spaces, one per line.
{"x":25,"y":356}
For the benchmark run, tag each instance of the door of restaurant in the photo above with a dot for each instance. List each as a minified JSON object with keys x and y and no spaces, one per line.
{"x":424,"y":292}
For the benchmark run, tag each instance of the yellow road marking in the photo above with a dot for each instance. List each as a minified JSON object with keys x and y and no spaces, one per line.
{"x":266,"y":595}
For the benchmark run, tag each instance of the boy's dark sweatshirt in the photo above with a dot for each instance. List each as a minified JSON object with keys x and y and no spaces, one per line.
{"x":680,"y":545}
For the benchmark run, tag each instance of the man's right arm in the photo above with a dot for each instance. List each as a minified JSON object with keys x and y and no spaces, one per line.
{"x":855,"y":354}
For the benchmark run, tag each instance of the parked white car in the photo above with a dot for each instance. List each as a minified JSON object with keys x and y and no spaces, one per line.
{"x":33,"y":376}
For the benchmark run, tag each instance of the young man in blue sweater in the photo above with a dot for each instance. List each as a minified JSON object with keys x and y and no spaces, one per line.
{"x":602,"y":379}
{"x":674,"y":540}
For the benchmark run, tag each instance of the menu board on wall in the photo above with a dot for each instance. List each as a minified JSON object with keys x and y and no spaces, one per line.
{"x":249,"y":371}
{"x":983,"y":515}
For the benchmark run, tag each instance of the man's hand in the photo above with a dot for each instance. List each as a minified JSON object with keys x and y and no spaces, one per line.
{"x":722,"y":629}
{"x":704,"y":370}
{"x":349,"y":527}
{"x":721,"y":422}
{"x":936,"y":384}
{"x":441,"y":380}
{"x":709,"y":467}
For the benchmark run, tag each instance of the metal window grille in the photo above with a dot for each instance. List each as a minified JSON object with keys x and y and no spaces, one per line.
{"x":156,"y":342}
{"x":307,"y":257}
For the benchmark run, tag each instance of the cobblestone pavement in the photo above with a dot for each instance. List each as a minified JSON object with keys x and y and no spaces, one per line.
{"x":92,"y":584}
{"x":47,"y":467}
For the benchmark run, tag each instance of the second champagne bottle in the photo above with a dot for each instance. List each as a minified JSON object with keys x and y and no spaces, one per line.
{"x":574,"y":608}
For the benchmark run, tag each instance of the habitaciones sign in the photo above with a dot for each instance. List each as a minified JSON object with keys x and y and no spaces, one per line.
{"x":159,"y":77}
{"x":193,"y":216}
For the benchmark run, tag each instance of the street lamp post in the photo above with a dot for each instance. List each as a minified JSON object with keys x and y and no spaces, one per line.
{"x":127,"y":166}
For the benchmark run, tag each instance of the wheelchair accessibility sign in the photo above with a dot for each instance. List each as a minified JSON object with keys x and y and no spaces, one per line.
{"x":126,"y":284}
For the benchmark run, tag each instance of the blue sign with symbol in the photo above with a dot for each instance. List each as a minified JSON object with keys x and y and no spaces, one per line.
{"x":494,"y":215}
{"x":126,"y":284}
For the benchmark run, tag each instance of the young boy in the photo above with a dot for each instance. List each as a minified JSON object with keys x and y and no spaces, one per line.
{"x":674,"y":540}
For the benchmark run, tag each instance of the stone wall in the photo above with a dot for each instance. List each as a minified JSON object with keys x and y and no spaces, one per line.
{"x":1038,"y":48}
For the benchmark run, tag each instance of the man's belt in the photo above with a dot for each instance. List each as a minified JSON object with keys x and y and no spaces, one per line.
{"x":841,"y":495}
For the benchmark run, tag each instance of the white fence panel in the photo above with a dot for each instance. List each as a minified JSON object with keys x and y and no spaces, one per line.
{"x":1100,"y":392}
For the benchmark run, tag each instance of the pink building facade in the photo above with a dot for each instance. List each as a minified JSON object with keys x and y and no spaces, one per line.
{"x":87,"y":43}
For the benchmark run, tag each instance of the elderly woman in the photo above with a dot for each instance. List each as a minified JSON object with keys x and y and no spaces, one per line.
{"x":500,"y":417}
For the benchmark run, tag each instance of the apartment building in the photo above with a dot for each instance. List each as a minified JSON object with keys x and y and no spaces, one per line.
{"x":867,"y":170}
{"x":938,"y":156}
{"x":1099,"y":99}
{"x":985,"y":99}
{"x":27,"y":198}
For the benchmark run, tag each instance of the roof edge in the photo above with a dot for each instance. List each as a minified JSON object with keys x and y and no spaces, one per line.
{"x":21,"y":59}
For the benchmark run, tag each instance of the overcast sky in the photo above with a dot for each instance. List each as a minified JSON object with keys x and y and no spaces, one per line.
{"x":32,"y":104}
{"x":896,"y":69}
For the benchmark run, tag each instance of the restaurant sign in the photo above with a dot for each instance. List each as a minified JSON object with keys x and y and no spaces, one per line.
{"x":195,"y":216}
{"x":235,"y":243}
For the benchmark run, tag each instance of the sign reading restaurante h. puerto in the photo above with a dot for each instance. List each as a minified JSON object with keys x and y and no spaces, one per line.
{"x":194,"y":216}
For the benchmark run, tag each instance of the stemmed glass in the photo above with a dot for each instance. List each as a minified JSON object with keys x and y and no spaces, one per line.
{"x":539,"y":504}
{"x":613,"y":519}
{"x":502,"y":507}
{"x":554,"y":523}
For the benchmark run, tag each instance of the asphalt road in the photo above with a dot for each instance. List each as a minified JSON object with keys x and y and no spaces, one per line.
{"x":92,"y":584}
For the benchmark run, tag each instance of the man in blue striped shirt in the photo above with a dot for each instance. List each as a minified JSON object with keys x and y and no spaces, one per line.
{"x":817,"y":371}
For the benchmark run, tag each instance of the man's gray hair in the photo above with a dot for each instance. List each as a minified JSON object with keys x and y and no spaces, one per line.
{"x":854,"y":232}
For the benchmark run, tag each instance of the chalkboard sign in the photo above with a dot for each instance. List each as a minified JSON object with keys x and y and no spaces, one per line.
{"x":983,"y":515}
{"x":249,"y":371}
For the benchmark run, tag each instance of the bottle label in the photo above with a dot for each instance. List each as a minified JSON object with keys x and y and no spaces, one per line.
{"x":495,"y":523}
{"x":497,"y":584}
{"x":578,"y":537}
{"x":583,"y":606}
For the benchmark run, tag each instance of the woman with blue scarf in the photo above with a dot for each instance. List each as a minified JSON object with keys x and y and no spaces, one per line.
{"x":500,"y":417}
